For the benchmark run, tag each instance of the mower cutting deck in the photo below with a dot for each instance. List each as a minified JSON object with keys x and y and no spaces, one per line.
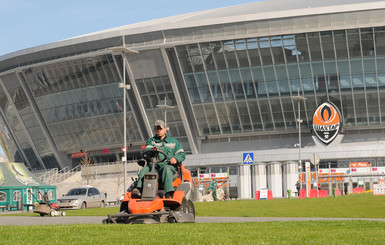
{"x":152,"y":207}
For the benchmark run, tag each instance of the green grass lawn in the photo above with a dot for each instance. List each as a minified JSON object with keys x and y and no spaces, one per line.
{"x":310,"y":232}
{"x":293,"y":232}
{"x":352,"y":206}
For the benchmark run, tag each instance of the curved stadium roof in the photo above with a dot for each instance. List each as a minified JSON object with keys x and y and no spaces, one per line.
{"x":252,"y":11}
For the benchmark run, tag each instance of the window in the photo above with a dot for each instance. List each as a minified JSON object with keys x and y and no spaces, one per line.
{"x":40,"y":194}
{"x":51,"y":195}
{"x":3,"y":196}
{"x":16,"y":196}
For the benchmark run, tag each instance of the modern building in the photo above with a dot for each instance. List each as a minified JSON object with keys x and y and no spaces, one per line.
{"x":233,"y":80}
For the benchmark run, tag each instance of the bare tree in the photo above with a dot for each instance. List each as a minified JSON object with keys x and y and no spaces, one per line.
{"x":86,"y":163}
{"x":119,"y":174}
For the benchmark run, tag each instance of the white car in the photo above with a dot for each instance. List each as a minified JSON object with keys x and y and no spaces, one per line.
{"x":82,"y":197}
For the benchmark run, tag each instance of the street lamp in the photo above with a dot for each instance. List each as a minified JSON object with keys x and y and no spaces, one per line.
{"x":299,"y":99}
{"x":165,"y":107}
{"x":123,"y":50}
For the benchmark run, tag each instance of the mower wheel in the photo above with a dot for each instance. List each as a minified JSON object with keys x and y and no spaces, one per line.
{"x":41,"y":214}
{"x":64,"y":213}
{"x":187,"y":207}
{"x":52,"y":213}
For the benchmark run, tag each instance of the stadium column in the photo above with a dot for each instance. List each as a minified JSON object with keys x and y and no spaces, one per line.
{"x":275,"y":179}
{"x":244,"y":180}
{"x":290,"y":176}
{"x":259,"y":175}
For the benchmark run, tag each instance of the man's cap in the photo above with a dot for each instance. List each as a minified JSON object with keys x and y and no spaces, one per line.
{"x":160,"y":123}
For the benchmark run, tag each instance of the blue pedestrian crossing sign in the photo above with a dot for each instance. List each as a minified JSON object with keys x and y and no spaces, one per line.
{"x":248,"y":158}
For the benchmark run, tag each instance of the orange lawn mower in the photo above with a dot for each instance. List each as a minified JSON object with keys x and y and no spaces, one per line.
{"x":152,"y":207}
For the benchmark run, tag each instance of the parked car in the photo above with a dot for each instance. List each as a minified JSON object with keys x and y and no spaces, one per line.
{"x":83,"y":197}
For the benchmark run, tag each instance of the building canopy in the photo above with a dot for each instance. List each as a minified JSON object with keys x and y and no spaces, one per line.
{"x":16,"y":174}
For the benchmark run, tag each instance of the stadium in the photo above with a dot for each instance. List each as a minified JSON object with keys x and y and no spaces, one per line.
{"x":240,"y":87}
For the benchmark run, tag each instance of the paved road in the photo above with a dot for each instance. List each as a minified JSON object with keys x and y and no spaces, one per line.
{"x":46,"y":220}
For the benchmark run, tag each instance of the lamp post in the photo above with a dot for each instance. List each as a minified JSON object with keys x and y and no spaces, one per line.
{"x":299,"y":99}
{"x":165,"y":107}
{"x":123,"y":50}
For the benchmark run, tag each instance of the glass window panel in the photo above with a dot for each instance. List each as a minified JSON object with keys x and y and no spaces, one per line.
{"x":302,"y":48}
{"x":269,"y":73}
{"x":292,"y":70}
{"x":290,"y":50}
{"x":358,"y":83}
{"x":327,"y":45}
{"x":367,"y":42}
{"x":195,"y":57}
{"x":272,"y":87}
{"x":223,"y":117}
{"x":240,"y":46}
{"x":381,"y":79}
{"x":370,"y":81}
{"x":373,"y":108}
{"x":207,"y":54}
{"x":203,"y":87}
{"x":340,"y":44}
{"x":266,"y":114}
{"x":184,"y":59}
{"x":225,"y":85}
{"x":277,"y":50}
{"x":356,"y":66}
{"x":379,"y":33}
{"x":360,"y":106}
{"x":149,"y":85}
{"x":295,"y":85}
{"x":248,"y":84}
{"x":236,"y":83}
{"x":264,"y":49}
{"x":211,"y":118}
{"x":314,"y":46}
{"x":369,"y":65}
{"x":229,"y":51}
{"x":233,"y":116}
{"x":283,"y":86}
{"x":190,"y":80}
{"x":354,"y":43}
{"x":255,"y":115}
{"x":218,"y":55}
{"x":252,"y":47}
{"x":305,"y":70}
{"x":215,"y":86}
{"x":382,"y":104}
{"x":308,"y":85}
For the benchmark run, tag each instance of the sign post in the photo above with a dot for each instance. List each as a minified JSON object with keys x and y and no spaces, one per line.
{"x":315,"y":160}
{"x":308,"y":178}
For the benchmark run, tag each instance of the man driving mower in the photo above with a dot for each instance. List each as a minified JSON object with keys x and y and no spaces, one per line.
{"x":167,"y":169}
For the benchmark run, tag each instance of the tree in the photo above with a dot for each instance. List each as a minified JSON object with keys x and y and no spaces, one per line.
{"x":119,"y":174}
{"x":86,"y":163}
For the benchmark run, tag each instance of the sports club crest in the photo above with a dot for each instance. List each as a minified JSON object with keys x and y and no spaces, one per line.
{"x":327,"y":122}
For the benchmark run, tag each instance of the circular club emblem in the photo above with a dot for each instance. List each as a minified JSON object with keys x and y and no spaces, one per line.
{"x":327,"y":122}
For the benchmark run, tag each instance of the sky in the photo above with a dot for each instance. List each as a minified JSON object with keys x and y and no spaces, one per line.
{"x":29,"y":23}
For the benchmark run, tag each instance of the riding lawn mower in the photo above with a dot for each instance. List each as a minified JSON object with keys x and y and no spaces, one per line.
{"x":152,"y":206}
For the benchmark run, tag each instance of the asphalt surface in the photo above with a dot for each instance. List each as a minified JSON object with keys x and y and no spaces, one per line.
{"x":58,"y":220}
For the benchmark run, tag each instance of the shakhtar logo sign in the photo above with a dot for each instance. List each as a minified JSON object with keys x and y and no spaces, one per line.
{"x":327,"y":122}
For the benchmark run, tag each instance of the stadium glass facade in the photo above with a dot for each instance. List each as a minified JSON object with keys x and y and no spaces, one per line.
{"x":229,"y":78}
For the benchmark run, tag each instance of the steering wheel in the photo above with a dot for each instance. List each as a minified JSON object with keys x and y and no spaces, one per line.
{"x":155,"y":152}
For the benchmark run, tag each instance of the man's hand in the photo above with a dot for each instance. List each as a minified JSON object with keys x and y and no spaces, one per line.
{"x":173,"y":161}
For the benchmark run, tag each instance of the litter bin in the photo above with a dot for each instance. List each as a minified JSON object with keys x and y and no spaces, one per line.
{"x":289,"y":194}
{"x":335,"y":192}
